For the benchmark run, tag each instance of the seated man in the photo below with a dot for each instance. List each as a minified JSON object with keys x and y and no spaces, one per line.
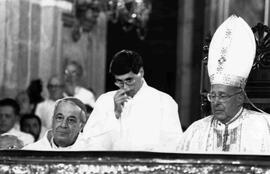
{"x":9,"y":110}
{"x":31,"y":124}
{"x":231,"y":128}
{"x":68,"y":120}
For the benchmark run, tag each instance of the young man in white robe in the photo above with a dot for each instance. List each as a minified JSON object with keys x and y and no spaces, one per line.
{"x":231,"y":128}
{"x":136,"y":117}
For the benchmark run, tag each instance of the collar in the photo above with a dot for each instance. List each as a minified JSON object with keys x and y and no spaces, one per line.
{"x":54,"y":146}
{"x":234,"y":122}
{"x":140,"y":91}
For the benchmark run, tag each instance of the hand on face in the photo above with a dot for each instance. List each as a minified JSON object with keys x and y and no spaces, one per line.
{"x":119,"y":99}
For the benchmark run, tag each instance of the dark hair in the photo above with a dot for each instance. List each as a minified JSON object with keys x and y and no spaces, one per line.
{"x":29,"y":116}
{"x":89,"y":108}
{"x":34,"y":91}
{"x":126,"y":61}
{"x":12,"y":103}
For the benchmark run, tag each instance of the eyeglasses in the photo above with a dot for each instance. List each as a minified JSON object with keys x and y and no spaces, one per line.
{"x":69,"y":72}
{"x":54,"y":86}
{"x":128,"y":82}
{"x":222,"y":97}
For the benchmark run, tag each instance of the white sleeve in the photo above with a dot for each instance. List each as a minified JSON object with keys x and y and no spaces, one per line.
{"x":171,"y":130}
{"x":101,"y":122}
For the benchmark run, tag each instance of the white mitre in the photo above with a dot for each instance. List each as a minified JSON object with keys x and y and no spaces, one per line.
{"x":231,"y":53}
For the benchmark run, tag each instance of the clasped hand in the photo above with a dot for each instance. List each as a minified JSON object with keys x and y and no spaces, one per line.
{"x":120,"y":98}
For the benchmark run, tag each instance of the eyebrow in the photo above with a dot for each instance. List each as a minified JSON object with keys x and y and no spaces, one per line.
{"x":129,"y":78}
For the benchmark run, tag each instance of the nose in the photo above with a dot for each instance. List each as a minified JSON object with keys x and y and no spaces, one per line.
{"x":216,"y":101}
{"x":125,"y":87}
{"x":64,"y":123}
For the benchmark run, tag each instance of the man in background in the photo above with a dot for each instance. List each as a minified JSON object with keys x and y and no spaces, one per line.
{"x":9,"y":111}
{"x":31,"y":124}
{"x":45,"y":109}
{"x":73,"y":73}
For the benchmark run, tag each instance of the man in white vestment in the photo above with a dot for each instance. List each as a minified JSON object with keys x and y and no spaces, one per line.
{"x":231,"y":128}
{"x":68,"y":121}
{"x":136,"y":117}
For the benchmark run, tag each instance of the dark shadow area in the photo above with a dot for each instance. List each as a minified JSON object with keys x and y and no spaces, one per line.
{"x":158,"y":49}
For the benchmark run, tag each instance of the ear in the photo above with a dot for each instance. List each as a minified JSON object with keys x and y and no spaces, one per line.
{"x":141,"y":71}
{"x":241,"y":98}
{"x":82,"y":126}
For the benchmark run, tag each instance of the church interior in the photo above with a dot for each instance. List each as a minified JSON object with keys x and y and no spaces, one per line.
{"x":38,"y":37}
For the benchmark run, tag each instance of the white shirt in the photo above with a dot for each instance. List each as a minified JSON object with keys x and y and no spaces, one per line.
{"x":45,"y":111}
{"x":46,"y":144}
{"x":24,"y":137}
{"x":86,"y":96}
{"x":149,"y":122}
{"x":248,"y":132}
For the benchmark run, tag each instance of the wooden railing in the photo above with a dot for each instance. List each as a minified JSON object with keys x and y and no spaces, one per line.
{"x":130,"y":162}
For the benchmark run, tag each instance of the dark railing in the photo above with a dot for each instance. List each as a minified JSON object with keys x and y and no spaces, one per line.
{"x":130,"y":162}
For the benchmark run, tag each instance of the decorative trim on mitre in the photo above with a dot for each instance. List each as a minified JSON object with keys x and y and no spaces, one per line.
{"x":227,"y":79}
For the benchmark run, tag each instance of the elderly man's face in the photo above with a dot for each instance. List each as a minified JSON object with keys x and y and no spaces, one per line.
{"x":66,"y":124}
{"x":55,"y":88}
{"x":7,"y":118}
{"x":226,"y":102}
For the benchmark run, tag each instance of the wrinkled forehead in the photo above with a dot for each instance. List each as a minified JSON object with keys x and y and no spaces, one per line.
{"x":69,"y":105}
{"x":66,"y":103}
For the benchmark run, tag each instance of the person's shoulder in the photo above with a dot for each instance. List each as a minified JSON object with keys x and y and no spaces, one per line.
{"x":45,"y":103}
{"x":81,"y":89}
{"x":108,"y":94}
{"x":25,"y":137}
{"x":33,"y":146}
{"x":41,"y":144}
{"x":256,"y":116}
{"x":158,"y":92}
{"x":202,"y":122}
{"x":106,"y":97}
